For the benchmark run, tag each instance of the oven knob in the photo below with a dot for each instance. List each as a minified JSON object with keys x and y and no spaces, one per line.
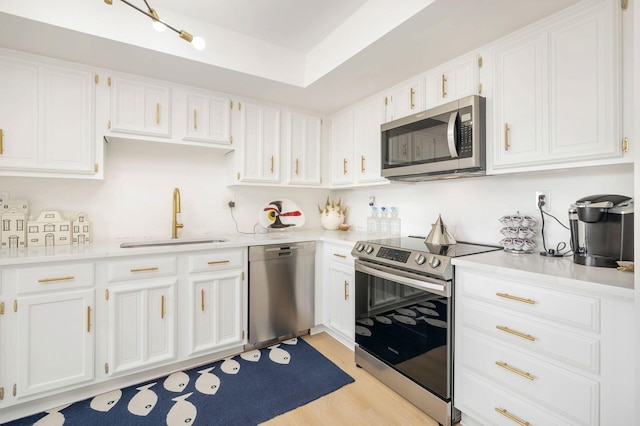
{"x":369,"y":249}
{"x":420,"y":259}
{"x":434,"y":262}
{"x":359,"y":247}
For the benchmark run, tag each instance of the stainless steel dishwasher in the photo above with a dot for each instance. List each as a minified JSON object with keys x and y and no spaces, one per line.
{"x":281,"y":292}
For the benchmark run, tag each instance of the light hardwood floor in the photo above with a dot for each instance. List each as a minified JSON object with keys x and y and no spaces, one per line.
{"x":365,"y":402}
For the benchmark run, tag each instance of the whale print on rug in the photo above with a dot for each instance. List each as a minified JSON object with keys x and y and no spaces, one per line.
{"x":106,"y":401}
{"x":53,"y":418}
{"x":230,"y":366}
{"x":279,"y":355}
{"x":251,"y":356}
{"x":176,"y":382}
{"x":208,"y":383}
{"x":183,"y":412}
{"x":144,"y":401}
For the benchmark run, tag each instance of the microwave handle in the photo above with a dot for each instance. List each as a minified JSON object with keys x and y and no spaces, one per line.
{"x":451,"y":134}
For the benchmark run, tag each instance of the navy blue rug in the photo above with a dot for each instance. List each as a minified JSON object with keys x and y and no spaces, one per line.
{"x":246,"y":389}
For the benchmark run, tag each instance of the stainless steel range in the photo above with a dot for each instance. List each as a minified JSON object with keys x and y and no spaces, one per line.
{"x":404,"y":315}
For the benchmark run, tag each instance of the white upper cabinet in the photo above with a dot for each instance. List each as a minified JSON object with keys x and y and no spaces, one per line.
{"x":520,"y":87}
{"x":453,"y":80}
{"x":557,"y":92}
{"x":303,"y":143}
{"x":207,"y":118}
{"x":342,"y":148}
{"x":368,"y":116}
{"x":405,"y":99}
{"x":47,"y":119}
{"x":19,"y":114}
{"x":256,"y":132}
{"x":140,"y":107}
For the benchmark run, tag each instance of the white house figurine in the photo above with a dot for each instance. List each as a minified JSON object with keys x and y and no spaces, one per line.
{"x":49,"y":229}
{"x":14,"y":216}
{"x":81,"y":229}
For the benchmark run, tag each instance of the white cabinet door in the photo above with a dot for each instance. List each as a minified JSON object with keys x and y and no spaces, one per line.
{"x":342,"y":148}
{"x":584,"y":88}
{"x":405,"y":99}
{"x":342,"y":307}
{"x":258,"y":148}
{"x":142,"y":324}
{"x":19,"y":114}
{"x":368,"y":116}
{"x":140,"y":107}
{"x":55,"y":346}
{"x":208,"y":118}
{"x":452,"y":81}
{"x":47,"y":119}
{"x":215,"y":311}
{"x":520,"y":85}
{"x":303,"y":135}
{"x":68,"y":120}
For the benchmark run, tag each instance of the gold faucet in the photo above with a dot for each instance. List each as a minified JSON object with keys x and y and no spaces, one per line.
{"x":176,"y":209}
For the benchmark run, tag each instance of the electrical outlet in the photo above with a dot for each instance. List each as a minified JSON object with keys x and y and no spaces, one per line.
{"x":229,"y":202}
{"x":543,"y":199}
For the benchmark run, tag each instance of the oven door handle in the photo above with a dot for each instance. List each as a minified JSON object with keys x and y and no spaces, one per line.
{"x":424,"y":283}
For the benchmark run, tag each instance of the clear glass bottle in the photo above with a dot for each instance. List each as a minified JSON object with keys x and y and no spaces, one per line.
{"x":394,"y":223}
{"x":372,"y":221}
{"x":384,"y":221}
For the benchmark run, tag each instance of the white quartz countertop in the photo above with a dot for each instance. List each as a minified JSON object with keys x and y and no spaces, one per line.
{"x":560,"y":271}
{"x":109,"y":249}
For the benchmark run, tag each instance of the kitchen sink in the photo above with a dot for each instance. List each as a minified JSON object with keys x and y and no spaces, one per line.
{"x":172,"y":242}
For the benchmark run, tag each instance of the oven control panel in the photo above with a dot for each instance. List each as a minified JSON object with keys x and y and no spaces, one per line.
{"x":417,"y":261}
{"x":393,"y":254}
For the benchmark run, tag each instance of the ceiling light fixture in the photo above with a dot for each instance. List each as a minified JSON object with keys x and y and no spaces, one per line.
{"x":159,"y":25}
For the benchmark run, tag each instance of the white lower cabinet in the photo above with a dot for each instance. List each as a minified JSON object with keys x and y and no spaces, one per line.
{"x":55,"y":341}
{"x":529,"y":353}
{"x":216,"y":314}
{"x":142,"y":324}
{"x":48,"y":330}
{"x":338,"y":287}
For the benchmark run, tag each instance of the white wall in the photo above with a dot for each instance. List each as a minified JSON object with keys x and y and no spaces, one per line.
{"x":471,"y":207}
{"x":135,"y":198}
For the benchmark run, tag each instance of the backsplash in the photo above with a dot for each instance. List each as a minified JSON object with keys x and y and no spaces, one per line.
{"x":135,"y":198}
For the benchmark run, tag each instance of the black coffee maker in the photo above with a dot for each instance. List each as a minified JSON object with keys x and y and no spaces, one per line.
{"x":602,"y":230}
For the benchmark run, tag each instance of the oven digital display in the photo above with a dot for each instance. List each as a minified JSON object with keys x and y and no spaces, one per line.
{"x":393,"y":254}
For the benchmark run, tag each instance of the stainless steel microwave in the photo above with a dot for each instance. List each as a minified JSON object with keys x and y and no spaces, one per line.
{"x":443,"y":142}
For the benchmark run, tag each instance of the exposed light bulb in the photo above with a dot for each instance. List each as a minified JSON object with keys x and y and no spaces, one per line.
{"x":158,"y":26}
{"x":198,"y":43}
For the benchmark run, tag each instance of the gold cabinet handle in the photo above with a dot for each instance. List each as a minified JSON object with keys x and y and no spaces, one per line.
{"x":297,"y":164}
{"x":506,"y":137}
{"x":1,"y":146}
{"x":444,"y":86}
{"x":411,"y":94}
{"x":516,"y":298}
{"x":362,"y":168}
{"x":88,"y":319}
{"x":217,"y":262}
{"x":51,"y":280}
{"x":625,"y":143}
{"x":153,"y":268}
{"x":195,"y":119}
{"x":418,"y":151}
{"x":157,"y":112}
{"x":340,"y":255}
{"x":346,"y":290}
{"x":1,"y":393}
{"x":271,"y":168}
{"x":344,"y":165}
{"x":515,"y":333}
{"x":514,"y":370}
{"x":202,"y":300}
{"x":511,"y":417}
{"x":162,"y":306}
